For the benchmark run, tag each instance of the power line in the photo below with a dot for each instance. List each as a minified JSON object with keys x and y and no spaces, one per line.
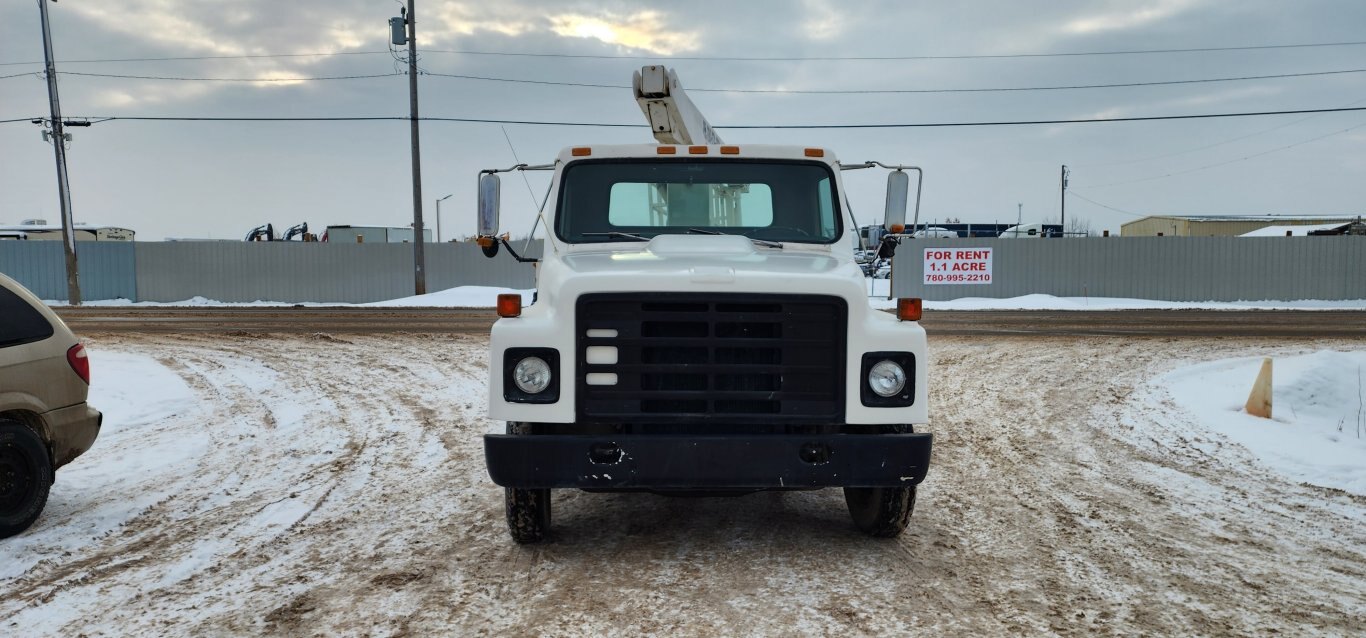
{"x":827,"y":92}
{"x":36,"y":74}
{"x":189,"y":79}
{"x":899,"y":57}
{"x":908,"y":91}
{"x":207,"y":57}
{"x":725,"y":58}
{"x":1209,"y":146}
{"x":1150,"y":118}
{"x":1117,"y":210}
{"x":1232,"y":161}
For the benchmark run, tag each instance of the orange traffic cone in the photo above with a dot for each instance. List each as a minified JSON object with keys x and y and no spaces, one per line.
{"x":1259,"y":401}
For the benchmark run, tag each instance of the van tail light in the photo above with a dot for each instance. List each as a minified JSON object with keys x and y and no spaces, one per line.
{"x":79,"y":362}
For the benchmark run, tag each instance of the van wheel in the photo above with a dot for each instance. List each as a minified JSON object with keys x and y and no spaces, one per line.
{"x":528,"y":510}
{"x":25,"y":477}
{"x":883,"y":512}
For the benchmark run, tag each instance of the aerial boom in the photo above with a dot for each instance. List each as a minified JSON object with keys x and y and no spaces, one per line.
{"x":672,"y":116}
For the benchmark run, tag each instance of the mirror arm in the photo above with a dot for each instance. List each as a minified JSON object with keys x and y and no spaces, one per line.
{"x":519,"y":258}
{"x":518,"y":167}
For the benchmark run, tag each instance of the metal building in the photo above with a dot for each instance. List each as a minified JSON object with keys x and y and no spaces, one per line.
{"x":1219,"y":225}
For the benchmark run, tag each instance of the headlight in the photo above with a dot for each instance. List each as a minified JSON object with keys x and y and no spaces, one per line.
{"x":886,"y":378}
{"x":532,"y":375}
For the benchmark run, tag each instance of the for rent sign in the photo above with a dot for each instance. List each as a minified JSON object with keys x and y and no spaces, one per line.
{"x":957,"y":266}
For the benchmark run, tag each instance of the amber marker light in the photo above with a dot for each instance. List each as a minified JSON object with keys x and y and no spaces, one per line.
{"x":666,"y":150}
{"x":697,"y":150}
{"x":581,"y":151}
{"x":510,"y":305}
{"x":906,"y":309}
{"x":897,"y":229}
{"x":730,"y":150}
{"x":815,"y":152}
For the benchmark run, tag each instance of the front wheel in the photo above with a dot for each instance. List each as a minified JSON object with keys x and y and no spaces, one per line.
{"x":883,"y":512}
{"x":528,"y":510}
{"x":25,"y":477}
{"x":528,"y":514}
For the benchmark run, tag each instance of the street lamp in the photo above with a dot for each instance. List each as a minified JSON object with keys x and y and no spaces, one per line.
{"x":438,"y":216}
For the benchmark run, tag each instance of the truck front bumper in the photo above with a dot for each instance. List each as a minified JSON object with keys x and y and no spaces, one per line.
{"x":707,"y":462}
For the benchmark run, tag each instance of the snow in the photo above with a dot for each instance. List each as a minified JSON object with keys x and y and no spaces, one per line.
{"x":459,"y":297}
{"x":135,"y":448}
{"x":335,"y":485}
{"x":1298,"y":231}
{"x":877,"y":291}
{"x":1318,"y":431}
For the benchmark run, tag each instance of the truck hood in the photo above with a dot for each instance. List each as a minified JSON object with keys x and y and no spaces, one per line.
{"x":698,"y":263}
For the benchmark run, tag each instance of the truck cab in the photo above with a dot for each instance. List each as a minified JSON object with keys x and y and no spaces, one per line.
{"x":700,"y":326}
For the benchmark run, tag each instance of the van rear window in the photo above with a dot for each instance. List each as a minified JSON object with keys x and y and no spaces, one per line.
{"x":20,"y":323}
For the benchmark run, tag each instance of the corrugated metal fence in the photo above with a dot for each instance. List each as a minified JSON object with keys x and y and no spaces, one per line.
{"x":107,"y":268}
{"x":256,"y":271}
{"x":1164,"y":268}
{"x":325,"y":272}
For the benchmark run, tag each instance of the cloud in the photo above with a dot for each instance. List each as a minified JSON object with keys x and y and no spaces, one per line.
{"x":644,"y":30}
{"x":1130,"y":16}
{"x":824,"y":21}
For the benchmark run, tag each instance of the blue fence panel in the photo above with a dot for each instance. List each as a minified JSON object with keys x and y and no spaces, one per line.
{"x":107,"y":269}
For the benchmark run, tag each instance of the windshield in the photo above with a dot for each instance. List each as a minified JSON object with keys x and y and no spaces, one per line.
{"x":630,"y":200}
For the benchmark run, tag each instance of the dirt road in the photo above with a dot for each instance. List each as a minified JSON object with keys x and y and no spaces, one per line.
{"x":335,"y":485}
{"x":1282,"y":323}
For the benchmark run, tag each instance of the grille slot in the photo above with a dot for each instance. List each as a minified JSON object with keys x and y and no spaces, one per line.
{"x":685,"y":357}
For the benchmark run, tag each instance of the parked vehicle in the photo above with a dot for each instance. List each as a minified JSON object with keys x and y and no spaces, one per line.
{"x":700,"y":327}
{"x":40,"y":230}
{"x":266,"y":232}
{"x":934,"y":231}
{"x":45,"y":421}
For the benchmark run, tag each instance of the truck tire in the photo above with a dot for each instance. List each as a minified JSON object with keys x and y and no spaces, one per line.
{"x":528,"y":514}
{"x":528,"y":510}
{"x":25,"y":477}
{"x":882,"y":512}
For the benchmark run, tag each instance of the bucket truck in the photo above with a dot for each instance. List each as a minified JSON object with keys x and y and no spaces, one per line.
{"x":700,"y":327}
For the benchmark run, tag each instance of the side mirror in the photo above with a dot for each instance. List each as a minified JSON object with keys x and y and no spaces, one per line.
{"x":898,"y":190}
{"x":488,"y":205}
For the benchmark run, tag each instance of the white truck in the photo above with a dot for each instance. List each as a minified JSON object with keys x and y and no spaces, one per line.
{"x":700,"y":327}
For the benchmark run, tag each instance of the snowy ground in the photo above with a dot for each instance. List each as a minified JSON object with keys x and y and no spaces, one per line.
{"x":334,"y":485}
{"x":485,"y":297}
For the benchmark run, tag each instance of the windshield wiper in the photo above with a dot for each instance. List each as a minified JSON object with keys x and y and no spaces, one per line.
{"x":616,"y":235}
{"x":757,"y":242}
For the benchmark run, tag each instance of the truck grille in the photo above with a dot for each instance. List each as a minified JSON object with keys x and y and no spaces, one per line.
{"x":674,"y":357}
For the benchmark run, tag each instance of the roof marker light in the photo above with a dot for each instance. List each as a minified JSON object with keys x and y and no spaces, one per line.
{"x":580,"y":151}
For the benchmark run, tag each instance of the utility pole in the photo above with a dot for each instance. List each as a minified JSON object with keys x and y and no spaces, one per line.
{"x":1062,"y":200}
{"x":419,"y":237}
{"x":1019,"y":217}
{"x":73,"y":284}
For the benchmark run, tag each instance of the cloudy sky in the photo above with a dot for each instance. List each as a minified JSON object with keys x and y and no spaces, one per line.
{"x":220,"y":179}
